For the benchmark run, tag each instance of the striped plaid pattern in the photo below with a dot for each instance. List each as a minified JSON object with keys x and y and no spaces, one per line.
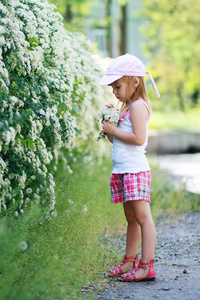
{"x":130,"y":187}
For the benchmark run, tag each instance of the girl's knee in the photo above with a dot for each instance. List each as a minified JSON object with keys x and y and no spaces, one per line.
{"x":129,"y":213}
{"x":143,"y":214}
{"x":138,"y":211}
{"x":143,"y":219}
{"x":130,"y":217}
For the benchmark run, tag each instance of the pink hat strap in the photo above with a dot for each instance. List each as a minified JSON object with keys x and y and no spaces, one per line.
{"x":153,"y":85}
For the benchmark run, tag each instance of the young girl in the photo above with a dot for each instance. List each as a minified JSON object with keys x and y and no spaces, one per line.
{"x":130,"y":180}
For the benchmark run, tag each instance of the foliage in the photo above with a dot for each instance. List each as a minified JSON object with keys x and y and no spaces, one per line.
{"x":54,"y":260}
{"x":173,"y":47}
{"x":57,"y":258}
{"x":176,"y":120}
{"x":73,"y":11}
{"x":48,"y":92}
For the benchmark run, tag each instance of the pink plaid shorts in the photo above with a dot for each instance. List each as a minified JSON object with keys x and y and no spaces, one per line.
{"x":130,"y":187}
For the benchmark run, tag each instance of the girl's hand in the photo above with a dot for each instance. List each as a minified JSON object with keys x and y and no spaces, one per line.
{"x":108,"y":127}
{"x":109,"y":105}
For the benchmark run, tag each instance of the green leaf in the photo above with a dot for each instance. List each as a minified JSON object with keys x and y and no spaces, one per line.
{"x":33,"y":40}
{"x":31,"y":145}
{"x":77,"y":131}
{"x":30,"y":48}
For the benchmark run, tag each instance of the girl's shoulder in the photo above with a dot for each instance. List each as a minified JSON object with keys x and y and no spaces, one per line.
{"x":139,"y":104}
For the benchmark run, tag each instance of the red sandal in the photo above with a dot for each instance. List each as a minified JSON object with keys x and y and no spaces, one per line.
{"x":117,"y":270}
{"x":130,"y":275}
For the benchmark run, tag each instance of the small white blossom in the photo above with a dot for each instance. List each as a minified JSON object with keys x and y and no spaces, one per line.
{"x":71,"y":201}
{"x":85,"y":208}
{"x":107,"y":114}
{"x":54,"y":214}
{"x":27,"y":200}
{"x":23,"y":245}
{"x":29,"y":191}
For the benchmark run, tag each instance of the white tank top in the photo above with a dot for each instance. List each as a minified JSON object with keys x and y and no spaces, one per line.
{"x":127,"y":158}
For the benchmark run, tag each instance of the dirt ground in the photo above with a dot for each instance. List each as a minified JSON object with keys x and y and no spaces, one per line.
{"x":177,"y":263}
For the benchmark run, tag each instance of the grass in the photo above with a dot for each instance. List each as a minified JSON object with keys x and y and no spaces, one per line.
{"x":65,"y":253}
{"x":72,"y":249}
{"x":176,"y":120}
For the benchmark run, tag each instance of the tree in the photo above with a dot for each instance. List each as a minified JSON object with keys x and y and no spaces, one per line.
{"x":73,"y":11}
{"x":174,"y":48}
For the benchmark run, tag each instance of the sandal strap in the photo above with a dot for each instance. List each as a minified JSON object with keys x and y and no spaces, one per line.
{"x":115,"y":271}
{"x":145,"y":264}
{"x":129,"y":276}
{"x":130,"y":258}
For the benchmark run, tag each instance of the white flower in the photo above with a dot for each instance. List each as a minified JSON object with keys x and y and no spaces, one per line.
{"x":23,"y":245}
{"x":14,"y":100}
{"x":85,"y":208}
{"x":29,"y":191}
{"x":54,"y":214}
{"x":107,"y":114}
{"x":71,"y":201}
{"x":27,"y":200}
{"x":2,"y":163}
{"x":42,"y":112}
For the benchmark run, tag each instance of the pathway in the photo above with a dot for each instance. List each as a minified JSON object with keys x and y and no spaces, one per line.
{"x":177,"y":262}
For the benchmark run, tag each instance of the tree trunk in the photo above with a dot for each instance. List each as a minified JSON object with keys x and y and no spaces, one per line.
{"x":123,"y":29}
{"x":68,"y":14}
{"x":179,"y":90}
{"x":108,"y":37}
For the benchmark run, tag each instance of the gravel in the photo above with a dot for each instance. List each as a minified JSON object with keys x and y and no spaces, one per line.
{"x":177,"y":263}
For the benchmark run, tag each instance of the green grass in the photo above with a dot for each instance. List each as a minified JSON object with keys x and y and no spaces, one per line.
{"x":64,"y":253}
{"x":188,"y":120}
{"x":72,"y":250}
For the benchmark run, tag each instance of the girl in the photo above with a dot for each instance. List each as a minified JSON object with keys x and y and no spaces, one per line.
{"x":130,"y":180}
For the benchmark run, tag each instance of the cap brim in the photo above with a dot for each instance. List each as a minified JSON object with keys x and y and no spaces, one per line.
{"x":108,"y":79}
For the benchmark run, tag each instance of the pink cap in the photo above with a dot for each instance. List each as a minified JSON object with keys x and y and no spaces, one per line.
{"x":126,"y":65}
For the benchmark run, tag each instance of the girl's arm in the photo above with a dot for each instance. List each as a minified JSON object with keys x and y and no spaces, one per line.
{"x":110,"y":137}
{"x":138,"y":115}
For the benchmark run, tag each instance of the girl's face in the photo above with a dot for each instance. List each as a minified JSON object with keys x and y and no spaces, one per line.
{"x":121,"y":90}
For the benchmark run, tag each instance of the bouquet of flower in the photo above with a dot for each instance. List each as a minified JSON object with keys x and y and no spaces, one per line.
{"x":107,"y":114}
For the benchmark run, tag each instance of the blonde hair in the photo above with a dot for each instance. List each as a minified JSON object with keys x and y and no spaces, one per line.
{"x":139,"y":92}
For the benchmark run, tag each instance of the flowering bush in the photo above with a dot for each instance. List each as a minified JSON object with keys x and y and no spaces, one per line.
{"x":107,"y":114}
{"x":48,"y":85}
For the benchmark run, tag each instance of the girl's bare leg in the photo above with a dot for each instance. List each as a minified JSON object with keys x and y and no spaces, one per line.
{"x":144,"y":218}
{"x":133,"y":230}
{"x":133,"y":235}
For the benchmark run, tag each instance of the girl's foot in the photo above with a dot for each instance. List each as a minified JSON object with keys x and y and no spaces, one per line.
{"x":129,"y":263}
{"x":144,"y":272}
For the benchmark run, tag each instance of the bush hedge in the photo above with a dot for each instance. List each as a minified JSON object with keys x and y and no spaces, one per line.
{"x":48,"y":95}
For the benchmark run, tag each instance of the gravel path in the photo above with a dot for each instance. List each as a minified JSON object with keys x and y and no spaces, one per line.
{"x":177,"y":262}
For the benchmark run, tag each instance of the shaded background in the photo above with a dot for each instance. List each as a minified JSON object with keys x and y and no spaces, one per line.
{"x":164,"y":34}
